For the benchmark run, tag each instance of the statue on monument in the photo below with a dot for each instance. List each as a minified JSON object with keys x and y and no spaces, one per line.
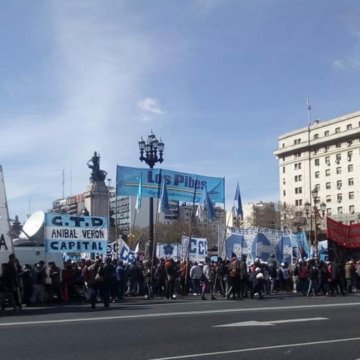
{"x":94,"y":164}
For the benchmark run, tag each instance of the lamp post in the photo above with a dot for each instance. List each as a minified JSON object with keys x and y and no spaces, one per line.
{"x":151,"y":152}
{"x":315,"y":213}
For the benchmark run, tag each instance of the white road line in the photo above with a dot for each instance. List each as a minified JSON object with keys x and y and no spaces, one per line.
{"x":189,"y":356}
{"x":271,"y":322}
{"x":174,"y":314}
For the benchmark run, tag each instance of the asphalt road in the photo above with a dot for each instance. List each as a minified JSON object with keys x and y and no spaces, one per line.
{"x":273,"y":328}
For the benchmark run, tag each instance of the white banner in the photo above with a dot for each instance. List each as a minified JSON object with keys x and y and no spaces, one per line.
{"x":173,"y":251}
{"x":195,"y":250}
{"x":66,"y":233}
{"x":5,"y":241}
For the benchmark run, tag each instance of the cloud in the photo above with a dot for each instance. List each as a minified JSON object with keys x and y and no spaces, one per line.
{"x":351,"y":60}
{"x":351,"y":63}
{"x":205,"y":7}
{"x":95,"y":68}
{"x":150,"y":106}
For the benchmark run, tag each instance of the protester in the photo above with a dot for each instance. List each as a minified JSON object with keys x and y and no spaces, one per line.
{"x":207,"y":280}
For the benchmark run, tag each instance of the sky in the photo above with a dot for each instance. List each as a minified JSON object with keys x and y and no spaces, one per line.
{"x":218,"y":80}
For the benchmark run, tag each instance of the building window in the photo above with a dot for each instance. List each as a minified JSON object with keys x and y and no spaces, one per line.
{"x":284,"y":192}
{"x":351,"y":209}
{"x":297,"y":141}
{"x":327,"y":172}
{"x":351,"y":181}
{"x":328,"y":185}
{"x":349,"y":155}
{"x":298,"y":202}
{"x":348,"y":126}
{"x":328,"y":211}
{"x":338,"y":158}
{"x":316,"y":136}
{"x":298,"y":178}
{"x":317,"y":174}
{"x":350,"y":168}
{"x":284,"y":181}
{"x":283,"y":169}
{"x":327,"y":133}
{"x":338,"y":170}
{"x":339,"y":198}
{"x":317,"y":162}
{"x":298,"y":154}
{"x":326,"y":148}
{"x":298,"y":190}
{"x":297,"y":166}
{"x":340,"y":210}
{"x":327,"y":160}
{"x":349,"y":142}
{"x":351,"y":195}
{"x":328,"y":198}
{"x":338,"y":145}
{"x":283,"y":145}
{"x":339,"y":184}
{"x":337,"y":130}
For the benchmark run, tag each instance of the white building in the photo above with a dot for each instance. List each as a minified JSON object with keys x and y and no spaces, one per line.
{"x":325,"y":155}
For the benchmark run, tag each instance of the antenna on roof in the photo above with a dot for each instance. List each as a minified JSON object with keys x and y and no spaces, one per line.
{"x":70,"y":181}
{"x":63,"y":183}
{"x":309,"y":109}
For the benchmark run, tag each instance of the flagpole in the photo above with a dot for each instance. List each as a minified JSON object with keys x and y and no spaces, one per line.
{"x":116,"y":204}
{"x":192,"y":221}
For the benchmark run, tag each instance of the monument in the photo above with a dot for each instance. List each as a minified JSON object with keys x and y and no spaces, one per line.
{"x":97,"y":194}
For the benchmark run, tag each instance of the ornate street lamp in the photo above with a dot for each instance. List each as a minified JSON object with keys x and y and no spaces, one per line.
{"x":315,"y":213}
{"x":151,"y":152}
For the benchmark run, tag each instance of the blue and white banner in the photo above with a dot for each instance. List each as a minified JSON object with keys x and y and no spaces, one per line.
{"x":75,"y":234}
{"x":173,"y":251}
{"x":126,"y":254}
{"x":196,"y":249}
{"x":180,"y":186}
{"x":322,"y":249}
{"x":265,"y":244}
{"x":112,"y":250}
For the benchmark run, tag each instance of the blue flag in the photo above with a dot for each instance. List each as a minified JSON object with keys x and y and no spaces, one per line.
{"x":164,"y":206}
{"x":238,"y":204}
{"x":139,"y":195}
{"x":206,"y":204}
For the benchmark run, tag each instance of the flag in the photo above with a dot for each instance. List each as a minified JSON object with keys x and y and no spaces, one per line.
{"x":164,"y":206}
{"x":200,"y":212}
{"x":139,"y":196}
{"x":206,"y":205}
{"x":238,"y":204}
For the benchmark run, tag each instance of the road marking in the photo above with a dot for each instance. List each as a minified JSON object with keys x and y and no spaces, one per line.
{"x":173,"y":314}
{"x":270,"y":323}
{"x":189,"y":356}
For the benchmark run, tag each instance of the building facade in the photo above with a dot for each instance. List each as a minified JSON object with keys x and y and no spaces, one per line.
{"x":326,"y":156}
{"x":72,"y":205}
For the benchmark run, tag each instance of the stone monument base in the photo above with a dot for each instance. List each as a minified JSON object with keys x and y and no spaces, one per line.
{"x":97,"y":199}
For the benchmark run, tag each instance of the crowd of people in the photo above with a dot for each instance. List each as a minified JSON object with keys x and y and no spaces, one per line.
{"x":110,"y":280}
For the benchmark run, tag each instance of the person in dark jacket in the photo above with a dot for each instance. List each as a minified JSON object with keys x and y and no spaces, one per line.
{"x":8,"y":286}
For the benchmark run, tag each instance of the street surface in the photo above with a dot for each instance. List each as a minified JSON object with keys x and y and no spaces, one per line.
{"x":274,"y":328}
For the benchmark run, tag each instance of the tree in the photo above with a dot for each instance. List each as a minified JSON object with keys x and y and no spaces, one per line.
{"x":15,"y":228}
{"x":273,"y":216}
